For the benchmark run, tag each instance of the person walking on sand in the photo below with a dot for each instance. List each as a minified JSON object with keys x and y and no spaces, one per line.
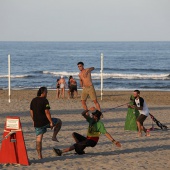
{"x":57,"y":89}
{"x":40,"y":114}
{"x":87,"y":85}
{"x":140,"y":105}
{"x":62,"y":83}
{"x":96,"y":127}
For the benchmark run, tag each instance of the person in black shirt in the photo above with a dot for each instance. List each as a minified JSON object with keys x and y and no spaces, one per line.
{"x":40,"y":114}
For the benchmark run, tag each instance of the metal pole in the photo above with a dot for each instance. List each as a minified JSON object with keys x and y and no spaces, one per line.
{"x":9,"y":78}
{"x":101,"y":75}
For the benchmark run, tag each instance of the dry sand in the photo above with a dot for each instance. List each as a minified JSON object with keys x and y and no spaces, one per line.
{"x":151,"y":153}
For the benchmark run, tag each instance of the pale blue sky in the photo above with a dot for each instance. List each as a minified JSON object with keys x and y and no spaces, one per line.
{"x":84,"y":20}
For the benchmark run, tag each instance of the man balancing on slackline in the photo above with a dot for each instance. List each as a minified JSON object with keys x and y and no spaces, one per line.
{"x":140,"y":105}
{"x":87,"y":85}
{"x":96,"y":127}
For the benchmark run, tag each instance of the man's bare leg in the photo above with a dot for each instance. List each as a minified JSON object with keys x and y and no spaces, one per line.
{"x":68,"y":149}
{"x":57,"y":94}
{"x":56,"y":130}
{"x":97,"y":105}
{"x":63,"y":93}
{"x":139,"y":129}
{"x":84,"y":105}
{"x":39,"y":145}
{"x":68,"y":94}
{"x":145,"y":130}
{"x":76,"y":94}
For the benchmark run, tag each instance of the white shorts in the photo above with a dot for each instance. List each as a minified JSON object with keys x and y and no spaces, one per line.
{"x":61,"y":85}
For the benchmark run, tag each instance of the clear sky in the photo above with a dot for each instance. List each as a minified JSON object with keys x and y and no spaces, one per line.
{"x":84,"y":20}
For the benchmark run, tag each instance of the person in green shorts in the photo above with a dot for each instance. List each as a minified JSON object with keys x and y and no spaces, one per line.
{"x":95,"y":129}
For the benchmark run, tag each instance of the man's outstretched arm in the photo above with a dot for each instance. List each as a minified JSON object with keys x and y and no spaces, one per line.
{"x":89,"y":70}
{"x":112,"y":140}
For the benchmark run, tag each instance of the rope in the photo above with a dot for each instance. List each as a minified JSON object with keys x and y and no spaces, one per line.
{"x":9,"y":134}
{"x":114,"y":107}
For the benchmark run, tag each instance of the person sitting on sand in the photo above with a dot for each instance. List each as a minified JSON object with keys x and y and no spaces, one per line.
{"x":40,"y":114}
{"x":96,"y":127}
{"x":140,"y":105}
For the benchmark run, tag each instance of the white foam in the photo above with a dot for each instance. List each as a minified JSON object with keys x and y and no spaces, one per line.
{"x":113,"y":75}
{"x":14,"y":76}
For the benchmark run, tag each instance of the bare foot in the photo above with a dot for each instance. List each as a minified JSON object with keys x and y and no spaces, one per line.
{"x":139,"y":134}
{"x":147,"y":133}
{"x":40,"y":156}
{"x":55,"y":139}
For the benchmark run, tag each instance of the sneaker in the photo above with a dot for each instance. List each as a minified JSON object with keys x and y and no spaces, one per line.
{"x":80,"y":153}
{"x":58,"y":152}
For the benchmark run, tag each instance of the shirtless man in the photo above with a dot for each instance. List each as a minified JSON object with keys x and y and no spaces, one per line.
{"x":62,"y":83}
{"x":87,"y":85}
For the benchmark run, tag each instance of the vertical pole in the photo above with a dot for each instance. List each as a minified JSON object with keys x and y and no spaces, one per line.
{"x":9,"y":78}
{"x":101,"y":75}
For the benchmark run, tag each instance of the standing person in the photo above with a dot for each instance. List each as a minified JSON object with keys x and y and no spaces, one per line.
{"x":73,"y":87}
{"x":96,"y":127}
{"x":87,"y":85}
{"x":62,"y":83}
{"x":40,"y":114}
{"x":70,"y":94}
{"x":140,"y":105}
{"x":58,"y":89}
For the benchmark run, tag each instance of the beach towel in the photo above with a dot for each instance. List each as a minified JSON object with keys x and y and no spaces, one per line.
{"x":132,"y":115}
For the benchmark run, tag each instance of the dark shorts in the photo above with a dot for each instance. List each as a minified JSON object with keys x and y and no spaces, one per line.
{"x":83,"y":143}
{"x":73,"y":88}
{"x":43,"y":129}
{"x":141,"y":119}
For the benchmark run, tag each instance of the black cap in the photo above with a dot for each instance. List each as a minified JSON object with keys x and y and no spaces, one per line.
{"x":97,"y":113}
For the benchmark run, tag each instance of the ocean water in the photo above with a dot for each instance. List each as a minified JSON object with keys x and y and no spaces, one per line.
{"x":127,"y":65}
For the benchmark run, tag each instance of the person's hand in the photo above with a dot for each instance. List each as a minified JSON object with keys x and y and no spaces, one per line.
{"x":117,"y":143}
{"x":51,"y":125}
{"x":84,"y":112}
{"x":92,"y":108}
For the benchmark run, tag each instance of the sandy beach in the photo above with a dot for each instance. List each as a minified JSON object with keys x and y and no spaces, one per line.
{"x":152,"y":153}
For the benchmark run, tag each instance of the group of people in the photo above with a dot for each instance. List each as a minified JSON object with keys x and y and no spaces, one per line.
{"x":61,"y":85}
{"x":40,"y":114}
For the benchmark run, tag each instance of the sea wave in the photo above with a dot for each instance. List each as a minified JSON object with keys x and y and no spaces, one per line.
{"x":150,"y":70}
{"x":15,"y":76}
{"x":63,"y":73}
{"x":114,"y":75}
